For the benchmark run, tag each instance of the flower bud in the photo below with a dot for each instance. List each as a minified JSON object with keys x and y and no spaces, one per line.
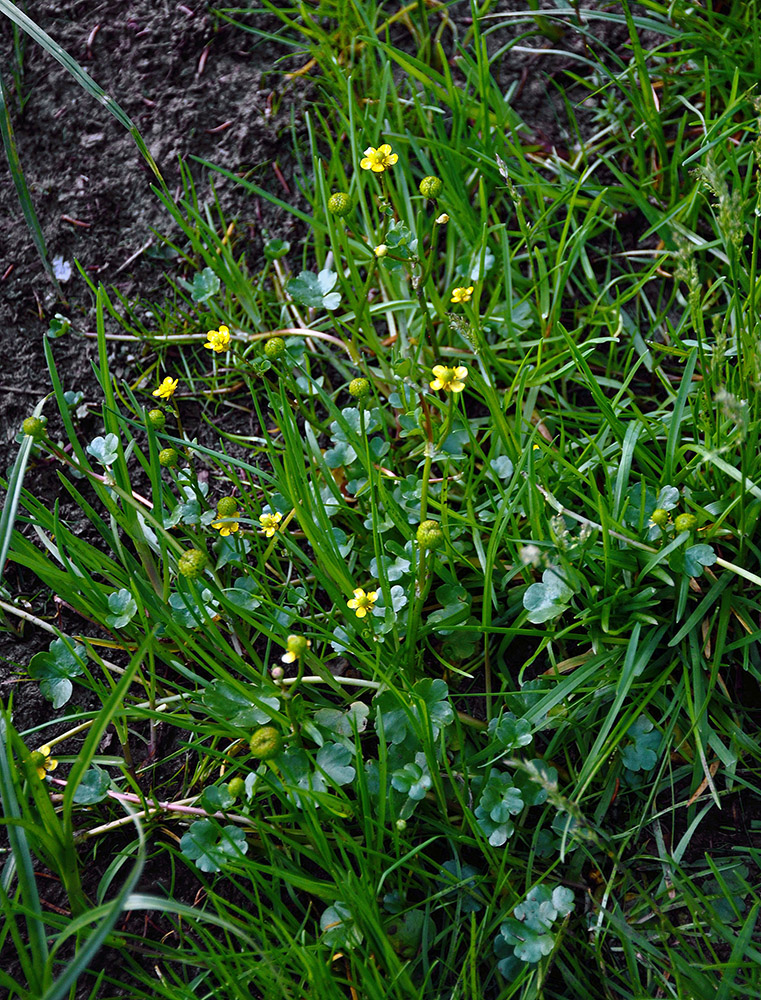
{"x":660,"y":517}
{"x":401,"y":825}
{"x":168,"y":458}
{"x":192,"y":564}
{"x":442,"y":220}
{"x":359,"y":388}
{"x":431,"y":187}
{"x":237,"y":788}
{"x":227,"y":507}
{"x":156,"y":419}
{"x":34,"y":427}
{"x":429,"y":535}
{"x":339,"y":204}
{"x":265,"y":743}
{"x":274,"y":347}
{"x":381,"y":250}
{"x":685,"y":522}
{"x":297,"y":645}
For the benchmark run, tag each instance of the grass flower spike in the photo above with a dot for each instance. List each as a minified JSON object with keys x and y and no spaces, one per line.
{"x":167,"y":388}
{"x":379,"y":159}
{"x":218,"y":340}
{"x":43,"y":761}
{"x":449,"y":379}
{"x":362,"y":602}
{"x":461,"y":294}
{"x":270,"y":523}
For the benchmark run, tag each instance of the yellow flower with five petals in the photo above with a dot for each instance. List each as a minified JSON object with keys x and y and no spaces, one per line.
{"x":270,"y":523}
{"x":379,"y":159}
{"x":218,"y":340}
{"x":362,"y":602}
{"x":167,"y":388}
{"x":43,"y":761}
{"x":461,"y":294}
{"x":226,"y":527}
{"x":449,"y":379}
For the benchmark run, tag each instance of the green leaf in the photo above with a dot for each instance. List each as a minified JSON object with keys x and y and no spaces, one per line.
{"x":211,"y":847}
{"x":58,"y":327}
{"x":500,"y":799}
{"x":501,"y":467}
{"x":510,"y":732}
{"x":333,"y":759}
{"x":343,"y":724}
{"x":241,"y":594}
{"x":641,"y":754}
{"x":528,"y":945}
{"x":205,"y":285}
{"x":93,"y":787}
{"x":275,"y":249}
{"x":435,"y":696}
{"x":315,"y":290}
{"x":641,"y":504}
{"x":413,"y":779}
{"x":240,"y":710}
{"x":186,"y":611}
{"x":104,"y":449}
{"x":54,"y":668}
{"x":305,"y":288}
{"x":548,"y":599}
{"x":123,"y":608}
{"x":338,"y":927}
{"x":696,"y":557}
{"x":216,"y":798}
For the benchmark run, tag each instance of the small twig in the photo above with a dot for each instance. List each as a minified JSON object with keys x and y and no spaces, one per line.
{"x":202,"y":60}
{"x":76,"y":222}
{"x":90,"y":40}
{"x":134,"y":256}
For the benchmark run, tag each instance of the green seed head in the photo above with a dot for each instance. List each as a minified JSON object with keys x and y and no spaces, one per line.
{"x":431,"y":187}
{"x":274,"y":347}
{"x":429,"y":535}
{"x":156,"y":419}
{"x":227,"y":506}
{"x":359,"y":388}
{"x":237,"y":788}
{"x":339,"y":204}
{"x":34,"y":427}
{"x":660,"y":517}
{"x":265,"y":743}
{"x":168,"y":458}
{"x":192,"y":564}
{"x":685,"y":522}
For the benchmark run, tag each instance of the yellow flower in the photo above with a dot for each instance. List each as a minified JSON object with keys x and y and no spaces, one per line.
{"x":362,"y":602}
{"x":226,"y":527}
{"x":379,"y":159}
{"x":167,"y":388}
{"x":43,"y":761}
{"x":461,"y":294}
{"x":296,"y":646}
{"x":270,"y":523}
{"x":449,"y":379}
{"x":218,"y":340}
{"x":381,"y":250}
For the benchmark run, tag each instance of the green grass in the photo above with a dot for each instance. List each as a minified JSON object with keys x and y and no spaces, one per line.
{"x":532,"y":769}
